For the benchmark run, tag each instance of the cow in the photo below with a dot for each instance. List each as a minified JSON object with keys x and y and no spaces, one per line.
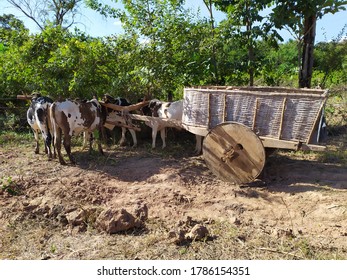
{"x":166,"y":110}
{"x":38,"y":118}
{"x":117,"y":116}
{"x":73,"y":117}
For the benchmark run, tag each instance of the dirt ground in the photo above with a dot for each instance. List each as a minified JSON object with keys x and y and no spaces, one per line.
{"x":49,"y":211}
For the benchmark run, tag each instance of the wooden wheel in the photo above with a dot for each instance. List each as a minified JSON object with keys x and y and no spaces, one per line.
{"x":234,"y":153}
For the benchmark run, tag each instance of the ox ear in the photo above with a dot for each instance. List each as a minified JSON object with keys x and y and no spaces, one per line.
{"x":152,"y":104}
{"x":107,"y":98}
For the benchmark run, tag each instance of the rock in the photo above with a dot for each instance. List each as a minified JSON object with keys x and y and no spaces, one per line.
{"x":177,"y":236}
{"x":198,"y":232}
{"x":76,"y":218}
{"x":80,"y":218}
{"x":115,"y":220}
{"x":141,"y":212}
{"x":56,"y":210}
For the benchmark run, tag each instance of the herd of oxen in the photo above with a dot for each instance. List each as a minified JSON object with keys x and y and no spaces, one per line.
{"x":58,"y":121}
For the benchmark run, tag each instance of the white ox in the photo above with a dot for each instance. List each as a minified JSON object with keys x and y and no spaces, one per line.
{"x":39,"y":120}
{"x":167,"y":110}
{"x":71,"y":118}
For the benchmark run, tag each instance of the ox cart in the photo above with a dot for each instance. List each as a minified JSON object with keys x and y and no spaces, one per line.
{"x":241,"y":124}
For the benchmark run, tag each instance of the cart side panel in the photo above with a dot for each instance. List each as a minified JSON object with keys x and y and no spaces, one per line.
{"x":217,"y":114}
{"x":300,"y":117}
{"x":196,"y":110}
{"x":240,"y":108}
{"x":268,"y":116}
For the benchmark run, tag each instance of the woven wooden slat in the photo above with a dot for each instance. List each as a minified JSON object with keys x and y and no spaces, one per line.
{"x":274,"y":112}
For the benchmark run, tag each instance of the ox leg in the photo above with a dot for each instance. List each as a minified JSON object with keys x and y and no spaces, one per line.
{"x":122,"y":139}
{"x":36,"y":135}
{"x":154,"y":135}
{"x":67,"y":146}
{"x":46,"y":148}
{"x":133,"y":135}
{"x":86,"y":139}
{"x":163,"y":136}
{"x":91,"y":139}
{"x":57,"y":141}
{"x":198,"y":144}
{"x":99,"y":142}
{"x":54,"y":149}
{"x":48,"y":143}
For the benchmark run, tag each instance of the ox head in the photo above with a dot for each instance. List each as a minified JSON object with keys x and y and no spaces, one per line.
{"x":154,"y":105}
{"x":35,"y":95}
{"x":108,"y":99}
{"x":120,"y":101}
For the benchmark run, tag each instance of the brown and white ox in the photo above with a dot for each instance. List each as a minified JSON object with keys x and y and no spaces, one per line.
{"x":38,"y":118}
{"x":167,"y":110}
{"x":73,"y":117}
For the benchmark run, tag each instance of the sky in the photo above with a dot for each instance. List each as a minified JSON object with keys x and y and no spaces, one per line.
{"x":98,"y":26}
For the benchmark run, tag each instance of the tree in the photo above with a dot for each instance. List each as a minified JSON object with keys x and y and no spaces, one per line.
{"x":246,"y":21}
{"x":300,"y":17}
{"x":279,"y":66}
{"x":174,"y":48}
{"x":331,"y":56}
{"x":209,"y":6}
{"x":12,"y":30}
{"x":44,"y":12}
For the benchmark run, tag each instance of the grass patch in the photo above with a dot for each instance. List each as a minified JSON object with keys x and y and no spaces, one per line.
{"x":12,"y":138}
{"x":7,"y":184}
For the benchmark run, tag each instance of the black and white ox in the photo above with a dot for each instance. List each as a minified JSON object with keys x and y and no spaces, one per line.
{"x":167,"y":110}
{"x":119,"y":117}
{"x":73,"y":117}
{"x":38,"y":118}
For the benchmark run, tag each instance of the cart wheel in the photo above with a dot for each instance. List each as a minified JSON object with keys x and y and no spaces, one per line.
{"x":234,"y":153}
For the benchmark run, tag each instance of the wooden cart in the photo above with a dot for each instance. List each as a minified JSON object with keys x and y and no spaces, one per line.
{"x":238,"y":123}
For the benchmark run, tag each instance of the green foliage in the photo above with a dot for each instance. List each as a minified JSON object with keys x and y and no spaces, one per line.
{"x":12,"y":30}
{"x":244,"y":18}
{"x":164,"y":48}
{"x":300,"y":17}
{"x":330,"y":59}
{"x":284,"y":60}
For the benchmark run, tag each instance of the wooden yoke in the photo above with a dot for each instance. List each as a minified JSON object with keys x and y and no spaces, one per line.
{"x":24,"y":97}
{"x":129,"y":108}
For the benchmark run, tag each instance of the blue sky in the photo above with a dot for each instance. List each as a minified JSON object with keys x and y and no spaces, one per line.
{"x":96,"y":25}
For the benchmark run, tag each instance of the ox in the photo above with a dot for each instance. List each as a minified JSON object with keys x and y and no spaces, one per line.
{"x":38,"y":118}
{"x":166,"y":110}
{"x":117,"y":116}
{"x":71,"y":118}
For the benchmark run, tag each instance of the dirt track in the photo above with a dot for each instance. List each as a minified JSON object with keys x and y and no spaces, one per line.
{"x":300,"y":212}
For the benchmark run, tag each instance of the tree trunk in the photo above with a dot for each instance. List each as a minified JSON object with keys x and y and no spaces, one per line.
{"x":250,"y":43}
{"x":208,"y":5}
{"x":251,"y":67}
{"x":305,"y":74}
